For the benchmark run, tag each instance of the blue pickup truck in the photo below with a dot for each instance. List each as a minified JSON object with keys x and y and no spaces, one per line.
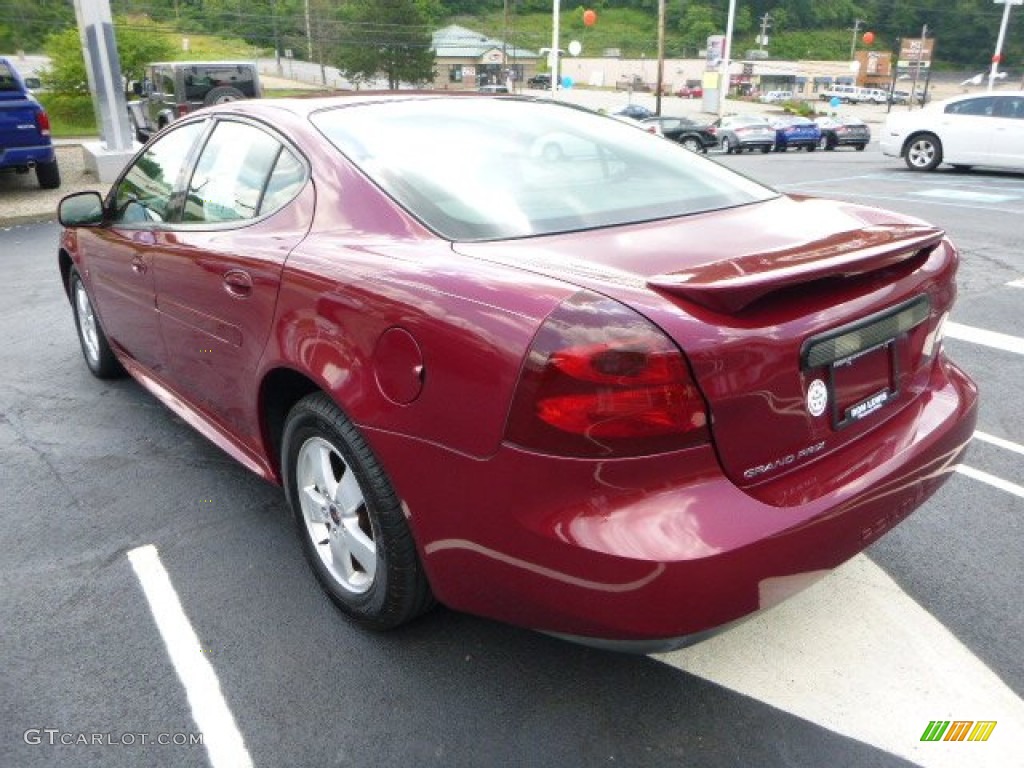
{"x":25,"y":130}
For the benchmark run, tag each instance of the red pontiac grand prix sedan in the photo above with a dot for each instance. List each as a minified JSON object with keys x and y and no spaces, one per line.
{"x":528,"y":361}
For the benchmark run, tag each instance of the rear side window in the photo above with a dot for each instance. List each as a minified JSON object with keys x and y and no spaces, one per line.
{"x":144,"y":194}
{"x":231,"y":174}
{"x":287,"y":179}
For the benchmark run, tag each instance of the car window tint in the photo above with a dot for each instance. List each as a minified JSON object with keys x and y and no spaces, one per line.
{"x":285,"y":182}
{"x":980,"y":107}
{"x":1009,"y":106}
{"x":144,"y":193}
{"x":231,"y":173}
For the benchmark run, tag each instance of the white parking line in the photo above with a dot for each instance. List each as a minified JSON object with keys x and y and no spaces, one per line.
{"x":995,"y":482}
{"x":842,"y":194}
{"x":224,"y":744}
{"x":985,"y":437}
{"x":856,"y":655}
{"x":992,"y":339}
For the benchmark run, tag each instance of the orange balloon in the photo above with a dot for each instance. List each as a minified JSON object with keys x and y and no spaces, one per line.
{"x":589,"y":18}
{"x":869,"y":38}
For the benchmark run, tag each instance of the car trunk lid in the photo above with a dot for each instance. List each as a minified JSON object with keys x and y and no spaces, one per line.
{"x":807,"y":323}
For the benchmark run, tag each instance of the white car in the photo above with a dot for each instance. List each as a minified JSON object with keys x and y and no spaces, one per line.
{"x":982,"y":129}
{"x":774,"y":97}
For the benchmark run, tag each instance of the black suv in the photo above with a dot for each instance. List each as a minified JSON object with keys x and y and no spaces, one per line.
{"x":175,"y":88}
{"x":541,"y":80}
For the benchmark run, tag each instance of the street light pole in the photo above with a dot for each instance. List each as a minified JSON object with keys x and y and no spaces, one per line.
{"x":997,"y":57}
{"x":556,"y":9}
{"x":723,"y":85}
{"x":661,"y":57}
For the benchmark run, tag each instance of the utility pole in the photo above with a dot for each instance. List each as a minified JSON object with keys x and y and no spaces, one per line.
{"x":766,"y":23}
{"x":856,"y":29}
{"x":917,"y":69}
{"x":309,"y":36}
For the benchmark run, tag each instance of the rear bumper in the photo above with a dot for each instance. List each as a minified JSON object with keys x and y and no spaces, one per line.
{"x":649,"y":553}
{"x":23,"y":157}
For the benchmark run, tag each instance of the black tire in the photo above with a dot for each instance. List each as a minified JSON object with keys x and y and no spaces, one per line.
{"x":97,"y":353}
{"x":692,"y":143}
{"x":923,"y":152}
{"x":764,"y":150}
{"x":343,"y":545}
{"x":727,"y":145}
{"x":811,"y":147}
{"x":860,"y":147}
{"x":48,"y":175}
{"x":222,"y":94}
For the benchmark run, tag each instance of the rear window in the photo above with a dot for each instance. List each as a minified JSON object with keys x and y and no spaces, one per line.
{"x":481,"y":169}
{"x":8,"y":80}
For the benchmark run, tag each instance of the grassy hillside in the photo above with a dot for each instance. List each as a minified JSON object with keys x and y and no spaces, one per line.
{"x":634,"y":33}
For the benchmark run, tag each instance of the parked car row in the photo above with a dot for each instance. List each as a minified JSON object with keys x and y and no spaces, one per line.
{"x":736,"y":133}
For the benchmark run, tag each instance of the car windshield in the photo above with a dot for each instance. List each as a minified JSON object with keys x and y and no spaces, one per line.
{"x":484,"y":169}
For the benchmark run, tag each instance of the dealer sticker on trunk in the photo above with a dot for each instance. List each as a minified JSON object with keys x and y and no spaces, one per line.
{"x":817,"y":398}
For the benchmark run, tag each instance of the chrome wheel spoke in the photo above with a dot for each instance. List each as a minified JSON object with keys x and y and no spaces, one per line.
{"x":314,"y":505}
{"x":321,"y":470}
{"x":360,"y":547}
{"x":341,"y":555}
{"x":348,"y":494}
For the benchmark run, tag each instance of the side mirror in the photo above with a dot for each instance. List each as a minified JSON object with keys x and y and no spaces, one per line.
{"x":83,"y":209}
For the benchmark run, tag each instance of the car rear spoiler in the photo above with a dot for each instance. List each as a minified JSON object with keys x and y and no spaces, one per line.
{"x":733,"y":284}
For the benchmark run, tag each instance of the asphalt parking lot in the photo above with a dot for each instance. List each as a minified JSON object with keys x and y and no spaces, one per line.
{"x":114,"y":508}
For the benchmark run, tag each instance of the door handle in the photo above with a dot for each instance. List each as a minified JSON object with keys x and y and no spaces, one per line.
{"x":238,"y":283}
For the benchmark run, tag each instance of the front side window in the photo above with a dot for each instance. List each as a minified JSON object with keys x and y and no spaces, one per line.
{"x":144,"y":194}
{"x":231,"y":174}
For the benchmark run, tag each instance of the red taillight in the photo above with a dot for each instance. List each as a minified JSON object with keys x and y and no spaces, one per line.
{"x":600,"y":380}
{"x":43,"y":122}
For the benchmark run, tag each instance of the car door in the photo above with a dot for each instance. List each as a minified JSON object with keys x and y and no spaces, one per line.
{"x":1008,"y":132}
{"x":219,"y":269}
{"x":119,"y":256}
{"x":967,"y":129}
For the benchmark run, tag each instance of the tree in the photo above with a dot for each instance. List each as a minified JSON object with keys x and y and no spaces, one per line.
{"x":390,"y":37}
{"x":137,"y":45}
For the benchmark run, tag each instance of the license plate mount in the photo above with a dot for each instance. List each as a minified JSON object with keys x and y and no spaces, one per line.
{"x":863,"y":383}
